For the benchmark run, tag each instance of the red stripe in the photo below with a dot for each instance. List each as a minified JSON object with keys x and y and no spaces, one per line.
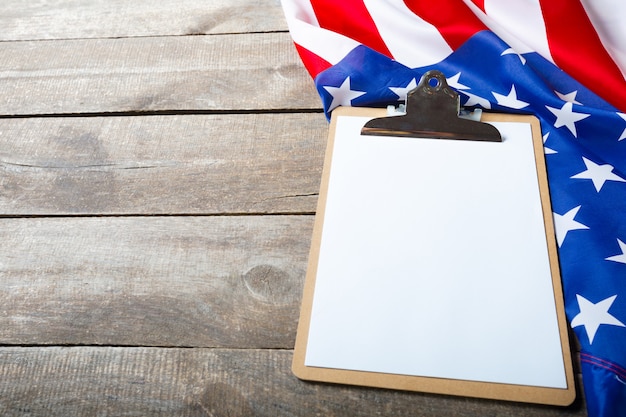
{"x":452,"y":18}
{"x":576,"y":48}
{"x":352,"y":19}
{"x":312,"y":62}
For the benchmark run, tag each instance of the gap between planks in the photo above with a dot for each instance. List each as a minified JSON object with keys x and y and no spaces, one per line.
{"x":113,"y":37}
{"x":163,"y":113}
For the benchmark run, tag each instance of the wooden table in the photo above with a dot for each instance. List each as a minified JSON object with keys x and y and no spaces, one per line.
{"x":159,"y":170}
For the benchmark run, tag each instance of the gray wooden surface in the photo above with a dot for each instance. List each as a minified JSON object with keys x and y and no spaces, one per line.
{"x":159,"y":170}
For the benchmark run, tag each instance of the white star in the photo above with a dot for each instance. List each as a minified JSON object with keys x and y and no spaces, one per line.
{"x":402,"y":92}
{"x":454,"y":82}
{"x":510,"y":100}
{"x":473,"y":100}
{"x":621,"y":258}
{"x":342,"y":95}
{"x":511,"y":51}
{"x":565,"y":223}
{"x":570,"y":97}
{"x":546,"y":150}
{"x":566,"y":117}
{"x":599,"y":174}
{"x":623,"y":116}
{"x":593,"y":315}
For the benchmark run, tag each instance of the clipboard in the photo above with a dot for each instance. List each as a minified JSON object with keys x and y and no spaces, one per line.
{"x":433,"y":265}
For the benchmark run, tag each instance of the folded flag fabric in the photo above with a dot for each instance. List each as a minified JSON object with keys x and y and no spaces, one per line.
{"x":563,"y":61}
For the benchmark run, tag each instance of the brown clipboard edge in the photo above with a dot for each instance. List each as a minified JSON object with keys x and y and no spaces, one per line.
{"x":496,"y":391}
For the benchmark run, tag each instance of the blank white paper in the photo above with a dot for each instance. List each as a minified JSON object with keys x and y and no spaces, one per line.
{"x":434,"y":262}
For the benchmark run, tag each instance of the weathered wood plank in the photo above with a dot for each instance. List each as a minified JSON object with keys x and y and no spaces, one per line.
{"x":220,"y":72}
{"x":214,"y":382}
{"x":79,"y":19}
{"x":254,"y":163}
{"x":153,"y":281}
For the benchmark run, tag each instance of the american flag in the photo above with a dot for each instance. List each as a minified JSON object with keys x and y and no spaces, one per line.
{"x":561,"y":60}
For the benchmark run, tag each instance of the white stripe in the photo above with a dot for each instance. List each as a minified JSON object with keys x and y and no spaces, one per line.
{"x":305,"y":31}
{"x":515,"y":35}
{"x":523,"y":20}
{"x":326,"y":44}
{"x":299,"y":10}
{"x":608,"y":18}
{"x":411,"y":40}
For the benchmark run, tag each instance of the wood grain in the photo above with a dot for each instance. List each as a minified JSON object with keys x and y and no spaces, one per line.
{"x":202,"y":164}
{"x":69,"y":19}
{"x":153,"y":281}
{"x":177,"y":237}
{"x":61,"y":381}
{"x":222,"y":72}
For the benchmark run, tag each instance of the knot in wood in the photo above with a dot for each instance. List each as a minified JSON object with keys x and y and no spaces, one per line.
{"x":270,"y":284}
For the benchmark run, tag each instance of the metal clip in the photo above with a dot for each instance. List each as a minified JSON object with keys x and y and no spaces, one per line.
{"x":432,"y":111}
